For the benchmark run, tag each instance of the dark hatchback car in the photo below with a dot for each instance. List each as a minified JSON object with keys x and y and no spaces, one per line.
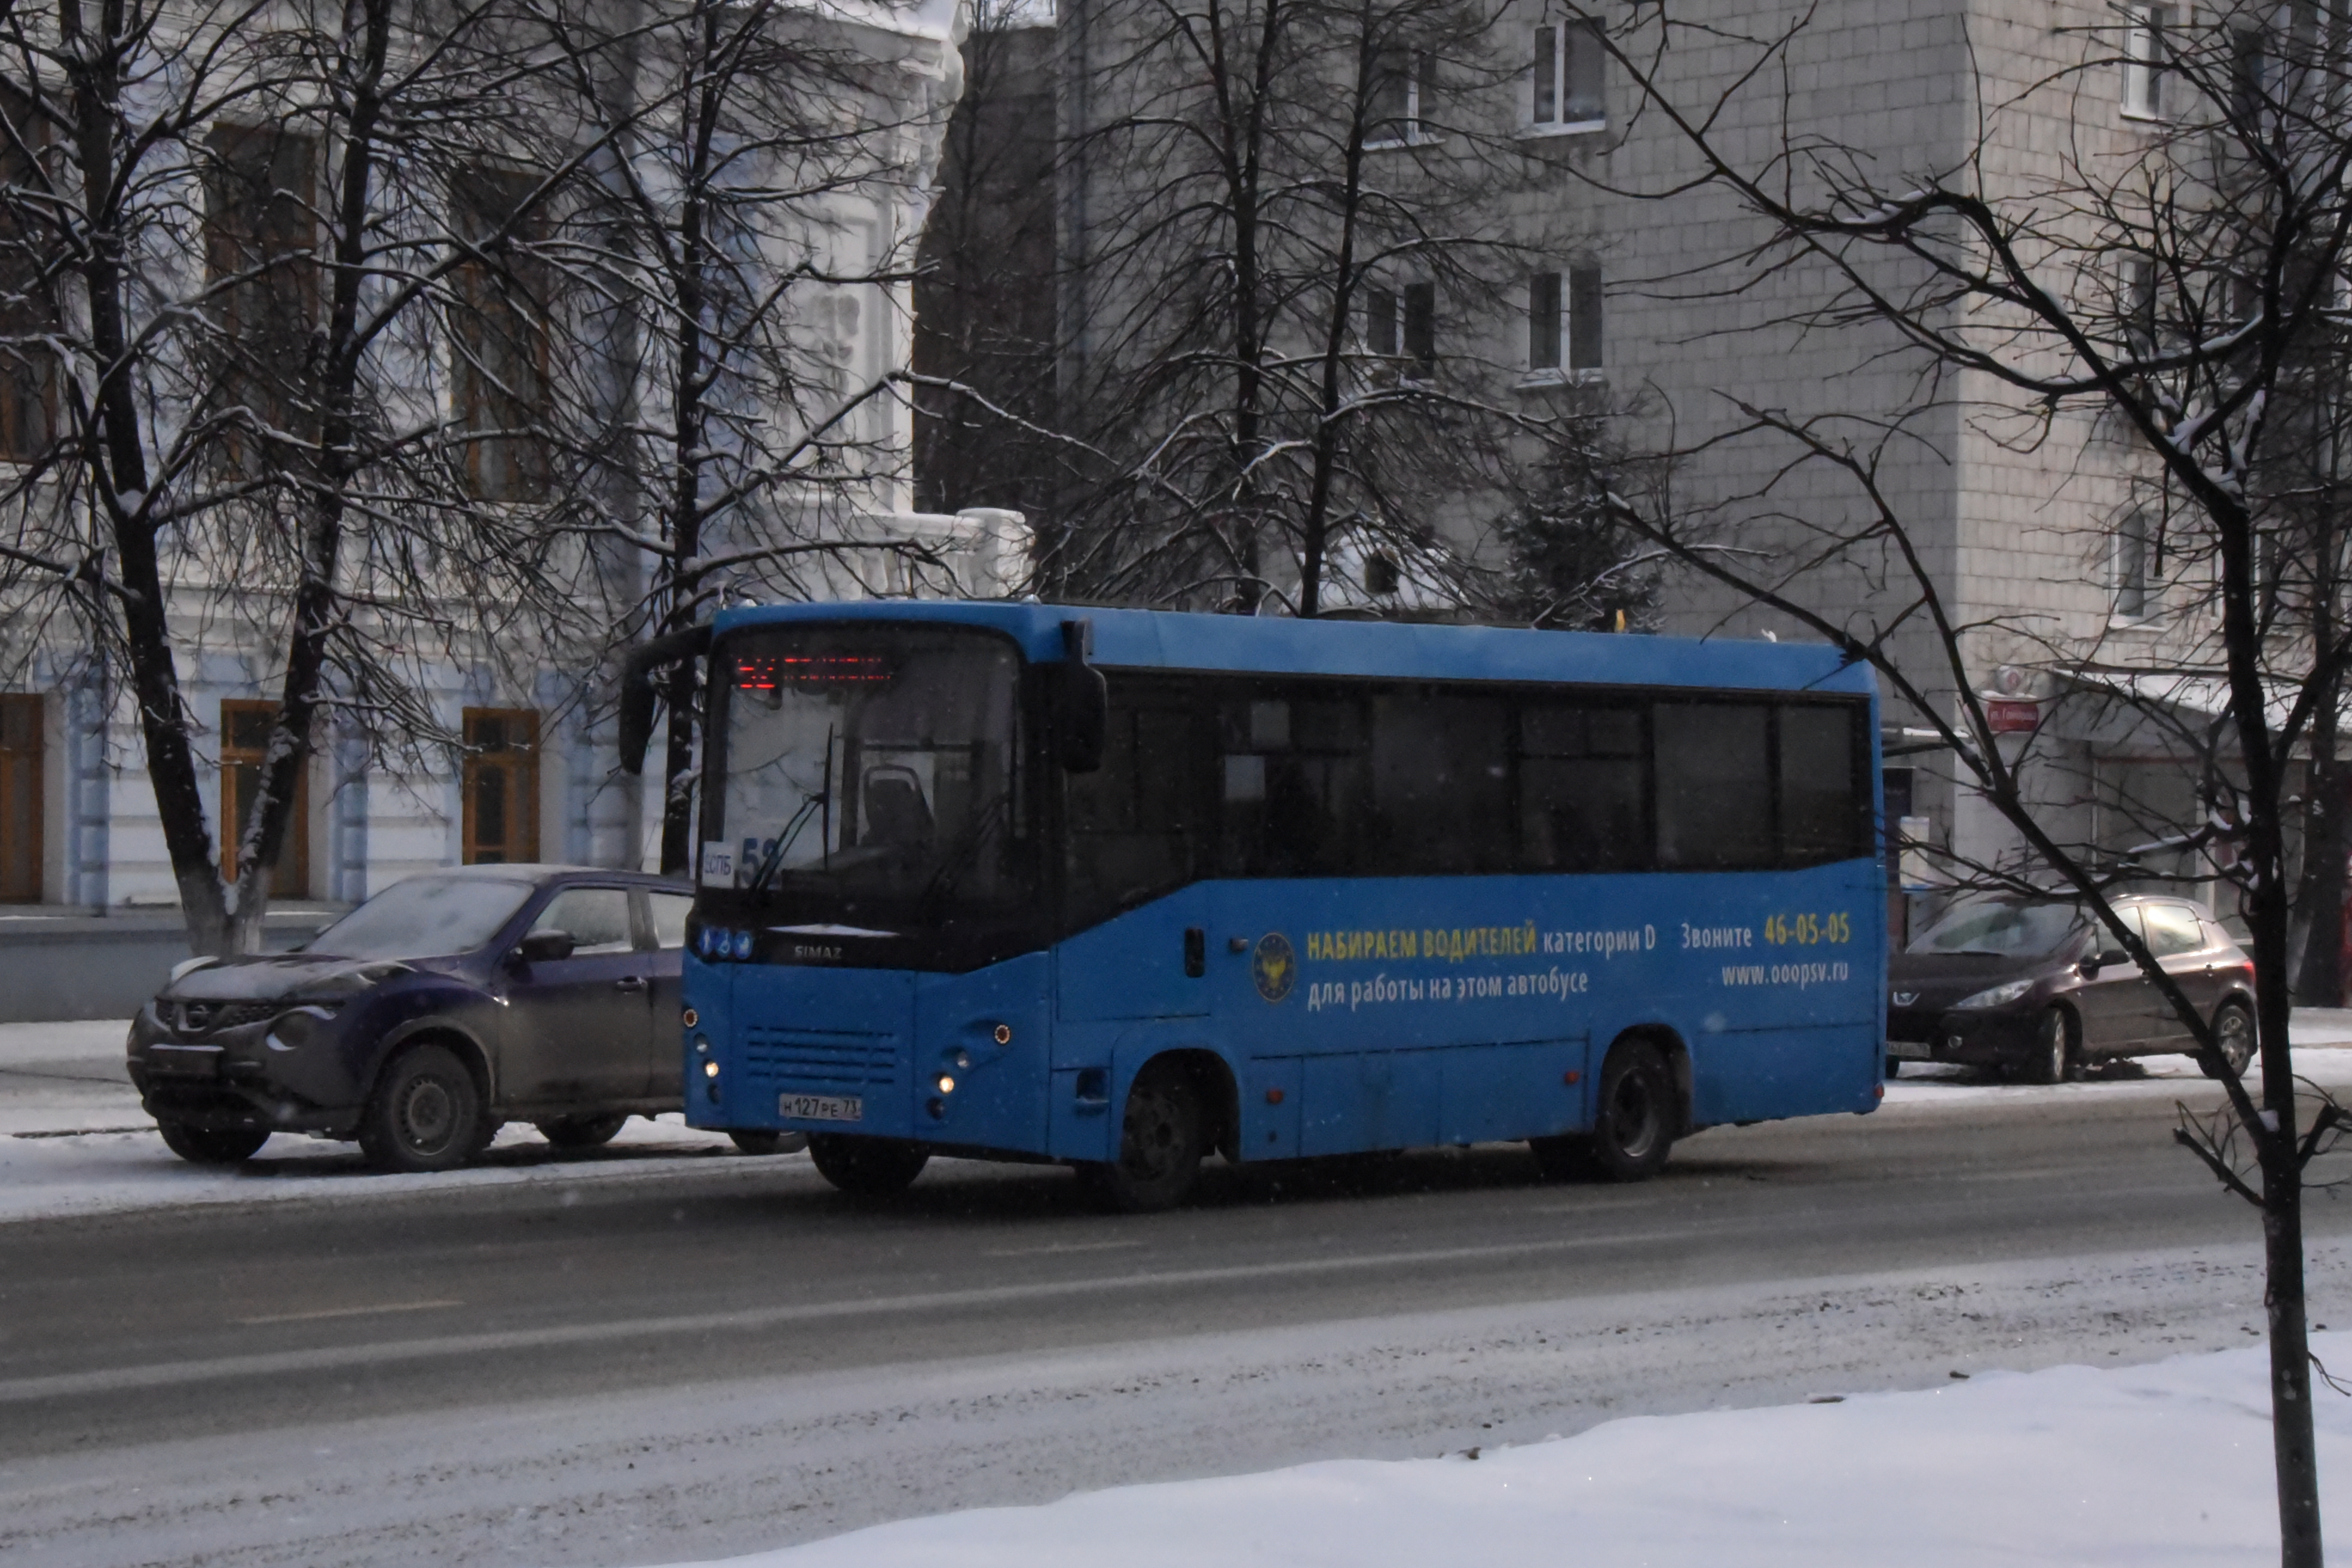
{"x":2037,"y":989}
{"x":449,"y":1004}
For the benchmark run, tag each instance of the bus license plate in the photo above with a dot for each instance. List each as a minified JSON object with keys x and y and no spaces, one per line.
{"x":821,"y":1107}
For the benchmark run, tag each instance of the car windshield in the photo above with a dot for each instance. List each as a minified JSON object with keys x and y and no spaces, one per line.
{"x":874,"y":767}
{"x":425,"y":917}
{"x":2000,"y":930}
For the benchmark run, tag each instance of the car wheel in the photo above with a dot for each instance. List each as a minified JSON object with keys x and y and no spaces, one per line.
{"x":427,"y":1114}
{"x":1162,"y":1138}
{"x":1634,"y":1115}
{"x":2233,"y":1033}
{"x":767,"y":1141}
{"x":210,"y":1145}
{"x":580,"y":1131}
{"x":870,"y":1167}
{"x":2055,"y":1057}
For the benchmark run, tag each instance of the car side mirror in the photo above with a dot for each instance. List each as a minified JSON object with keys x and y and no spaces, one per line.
{"x":1081,"y":703}
{"x":544,"y":947}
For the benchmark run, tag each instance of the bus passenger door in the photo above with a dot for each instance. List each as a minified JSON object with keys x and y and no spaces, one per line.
{"x":1140,"y":965}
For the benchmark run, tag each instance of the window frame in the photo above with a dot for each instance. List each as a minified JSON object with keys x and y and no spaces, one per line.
{"x":1418,"y":64}
{"x":522,"y":789}
{"x":2136,"y":576}
{"x":501,"y":305}
{"x":2142,"y":93}
{"x":1576,"y":336}
{"x":289,"y":877}
{"x":1551,"y":52}
{"x":22,"y":864}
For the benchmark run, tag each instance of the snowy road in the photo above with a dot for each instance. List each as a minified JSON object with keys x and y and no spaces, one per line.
{"x":658,"y":1358}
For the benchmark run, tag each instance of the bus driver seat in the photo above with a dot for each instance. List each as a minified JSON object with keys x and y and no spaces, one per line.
{"x":896,"y":812}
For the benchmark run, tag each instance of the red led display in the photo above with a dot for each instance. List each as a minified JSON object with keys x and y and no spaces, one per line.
{"x":767,"y":672}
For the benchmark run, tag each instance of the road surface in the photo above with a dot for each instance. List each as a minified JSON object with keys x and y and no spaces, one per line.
{"x":730,"y":1356}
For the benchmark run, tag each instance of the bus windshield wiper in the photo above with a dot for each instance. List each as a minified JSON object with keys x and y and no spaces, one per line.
{"x":962,"y":852}
{"x":782,"y":841}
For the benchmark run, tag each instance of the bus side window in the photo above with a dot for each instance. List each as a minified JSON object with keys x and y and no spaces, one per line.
{"x":1292,"y":767}
{"x":1824,"y":807}
{"x":1714,"y":786}
{"x":1582,"y":795}
{"x":1134,"y":823}
{"x":1441,"y":785}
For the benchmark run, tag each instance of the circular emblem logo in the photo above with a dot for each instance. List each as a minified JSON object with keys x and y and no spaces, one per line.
{"x":1274,"y":966}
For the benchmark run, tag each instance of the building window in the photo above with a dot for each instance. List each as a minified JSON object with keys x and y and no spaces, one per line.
{"x":501,"y":786}
{"x":27,"y":367}
{"x":1402,"y":324}
{"x":2143,"y":60}
{"x":20,"y":799}
{"x":260,"y":250}
{"x":244,"y":746}
{"x":1566,"y":77}
{"x":2138,"y":570}
{"x":1564,"y":322}
{"x":1397,"y":98}
{"x":501,"y":375}
{"x":2140,"y":306}
{"x":2250,"y":73}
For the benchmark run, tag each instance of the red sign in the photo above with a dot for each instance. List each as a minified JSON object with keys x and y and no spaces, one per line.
{"x":2012,"y":716}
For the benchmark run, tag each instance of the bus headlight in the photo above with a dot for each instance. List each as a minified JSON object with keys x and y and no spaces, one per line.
{"x":710,"y":1070}
{"x":947,"y":1084}
{"x":702,"y":1045}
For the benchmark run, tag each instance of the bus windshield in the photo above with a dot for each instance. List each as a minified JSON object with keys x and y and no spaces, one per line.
{"x":872,"y":770}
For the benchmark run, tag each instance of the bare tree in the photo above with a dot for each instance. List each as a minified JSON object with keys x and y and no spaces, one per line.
{"x":1282,"y":273}
{"x":985,"y":288}
{"x":234,"y":233}
{"x":2173,"y":293}
{"x":744,"y":234}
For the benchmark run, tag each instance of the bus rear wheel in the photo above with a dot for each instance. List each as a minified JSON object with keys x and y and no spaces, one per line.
{"x":1160,"y":1142}
{"x":1634,"y":1123}
{"x":870,"y":1167}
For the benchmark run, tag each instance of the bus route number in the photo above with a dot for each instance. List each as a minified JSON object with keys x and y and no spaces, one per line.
{"x":1807,"y":930}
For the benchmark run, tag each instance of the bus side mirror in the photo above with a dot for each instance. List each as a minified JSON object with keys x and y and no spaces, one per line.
{"x":637,"y":693}
{"x":1081,"y":703}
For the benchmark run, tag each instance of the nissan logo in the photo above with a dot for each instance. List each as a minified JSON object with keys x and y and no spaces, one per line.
{"x":195,"y":1016}
{"x":1903,"y":998}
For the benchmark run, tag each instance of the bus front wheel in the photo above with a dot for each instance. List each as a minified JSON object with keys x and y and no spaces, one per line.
{"x":1159,"y":1144}
{"x":870,"y":1167}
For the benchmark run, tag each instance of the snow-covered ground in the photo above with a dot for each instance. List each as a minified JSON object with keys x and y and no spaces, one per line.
{"x":2163,"y":1464}
{"x":73,"y":1140}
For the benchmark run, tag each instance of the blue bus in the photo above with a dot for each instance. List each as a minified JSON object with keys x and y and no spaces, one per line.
{"x":1119,"y":888}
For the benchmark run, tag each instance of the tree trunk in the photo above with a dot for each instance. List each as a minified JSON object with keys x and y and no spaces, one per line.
{"x":118,"y":472}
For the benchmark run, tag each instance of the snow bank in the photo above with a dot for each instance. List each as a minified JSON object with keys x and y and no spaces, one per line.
{"x":2163,"y":1464}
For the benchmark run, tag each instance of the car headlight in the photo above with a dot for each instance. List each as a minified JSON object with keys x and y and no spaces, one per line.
{"x":299,"y":1026}
{"x":1998,"y":996}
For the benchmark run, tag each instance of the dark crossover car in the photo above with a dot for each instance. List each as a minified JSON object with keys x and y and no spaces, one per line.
{"x":447,"y":1004}
{"x":2039,"y":989}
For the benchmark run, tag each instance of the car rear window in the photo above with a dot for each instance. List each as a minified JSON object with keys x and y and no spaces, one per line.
{"x":2171,"y":929}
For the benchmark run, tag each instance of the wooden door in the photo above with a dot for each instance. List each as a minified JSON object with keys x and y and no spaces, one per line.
{"x":20,"y":799}
{"x":244,"y":742}
{"x":501,"y":785}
